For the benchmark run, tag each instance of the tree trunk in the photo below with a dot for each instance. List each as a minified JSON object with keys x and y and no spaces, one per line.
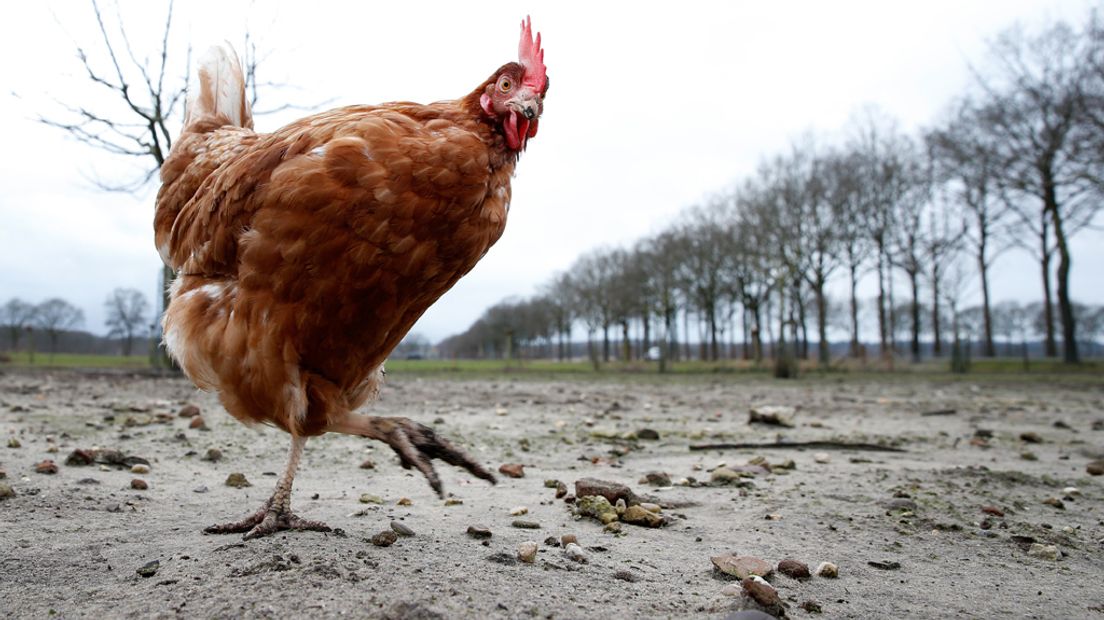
{"x":626,"y":342}
{"x":1050,"y":345}
{"x":883,"y":332}
{"x":822,"y":325}
{"x":605,"y":343}
{"x":1065,"y":305}
{"x":855,"y":345}
{"x":988,"y":350}
{"x":914,"y":284}
{"x":937,"y":330}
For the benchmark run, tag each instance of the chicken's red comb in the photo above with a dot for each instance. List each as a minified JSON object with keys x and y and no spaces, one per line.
{"x":531,"y":56}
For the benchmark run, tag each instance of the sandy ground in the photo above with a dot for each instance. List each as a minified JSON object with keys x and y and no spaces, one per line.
{"x":72,"y":548}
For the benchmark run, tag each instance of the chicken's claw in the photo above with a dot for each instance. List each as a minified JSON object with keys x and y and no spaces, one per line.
{"x":417,"y":445}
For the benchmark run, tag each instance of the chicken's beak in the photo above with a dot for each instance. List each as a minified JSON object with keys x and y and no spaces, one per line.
{"x":528,"y":107}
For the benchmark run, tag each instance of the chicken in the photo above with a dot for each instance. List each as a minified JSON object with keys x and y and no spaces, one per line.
{"x":303,"y":256}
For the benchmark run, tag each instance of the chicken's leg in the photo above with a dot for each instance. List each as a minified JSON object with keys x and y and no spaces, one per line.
{"x":275,"y":515}
{"x":416,"y":444}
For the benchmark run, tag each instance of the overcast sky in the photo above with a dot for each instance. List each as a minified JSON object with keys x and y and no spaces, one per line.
{"x":652,"y":108}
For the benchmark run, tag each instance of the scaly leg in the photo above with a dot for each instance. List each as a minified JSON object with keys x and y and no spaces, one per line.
{"x":275,"y":515}
{"x":416,"y":445}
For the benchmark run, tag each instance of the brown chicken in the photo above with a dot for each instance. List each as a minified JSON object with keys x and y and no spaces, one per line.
{"x":304,"y":256}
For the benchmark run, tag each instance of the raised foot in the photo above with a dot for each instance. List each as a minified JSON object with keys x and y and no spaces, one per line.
{"x":417,"y":445}
{"x":267,"y":521}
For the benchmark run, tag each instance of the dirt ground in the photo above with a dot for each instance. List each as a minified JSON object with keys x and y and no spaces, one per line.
{"x":71,"y":543}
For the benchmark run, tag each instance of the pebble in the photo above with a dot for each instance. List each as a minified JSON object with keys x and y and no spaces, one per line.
{"x":517,"y":511}
{"x":561,"y":489}
{"x":1095,"y":468}
{"x":568,"y":539}
{"x":368,"y":498}
{"x":1071,"y":492}
{"x":401,"y":529}
{"x":200,"y":489}
{"x":80,"y":458}
{"x":213,"y":455}
{"x":513,"y":470}
{"x":900,"y":503}
{"x":14,"y":443}
{"x":368,"y":464}
{"x":626,"y":575}
{"x":742,"y":566}
{"x":479,"y":532}
{"x":51,"y":448}
{"x":526,"y":525}
{"x":453,"y":501}
{"x":149,"y":569}
{"x":827,"y":570}
{"x":637,"y":515}
{"x":612,"y":491}
{"x":139,"y":469}
{"x":772,"y":415}
{"x":527,"y":551}
{"x":1031,"y":437}
{"x":1028,"y":455}
{"x":198,"y":423}
{"x":238,"y":481}
{"x":1044,"y":552}
{"x":656,"y":479}
{"x":6,"y":491}
{"x":1055,"y":502}
{"x":575,"y":553}
{"x":613,"y":528}
{"x":992,"y":510}
{"x":3,"y":474}
{"x":647,"y":434}
{"x":650,"y":507}
{"x":727,"y":476}
{"x":596,"y":506}
{"x":404,"y":501}
{"x":794,"y":569}
{"x":188,"y":411}
{"x":822,"y":457}
{"x":386,"y":538}
{"x":763,"y":594}
{"x":46,"y":467}
{"x":138,"y":484}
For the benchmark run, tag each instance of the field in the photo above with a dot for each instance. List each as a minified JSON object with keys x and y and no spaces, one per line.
{"x":906,"y":529}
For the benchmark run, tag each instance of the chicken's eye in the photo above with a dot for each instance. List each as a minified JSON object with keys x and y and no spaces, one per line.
{"x":505,"y":84}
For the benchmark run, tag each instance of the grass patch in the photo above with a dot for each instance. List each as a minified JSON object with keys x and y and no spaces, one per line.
{"x":75,"y":360}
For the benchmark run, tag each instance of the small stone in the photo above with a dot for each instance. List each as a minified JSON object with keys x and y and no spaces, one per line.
{"x":567,"y":539}
{"x":650,"y":507}
{"x":898,"y":504}
{"x":656,"y":479}
{"x":198,"y":423}
{"x":526,"y":525}
{"x":401,"y":529}
{"x":3,"y":474}
{"x":626,"y":575}
{"x":368,"y":498}
{"x":454,"y":501}
{"x":6,"y":491}
{"x":517,"y":511}
{"x":561,"y":489}
{"x":1055,"y":502}
{"x":1031,"y":437}
{"x":139,"y":468}
{"x":1071,"y":492}
{"x":647,"y":434}
{"x":575,"y":553}
{"x":822,"y":457}
{"x":731,"y":477}
{"x":1028,"y":455}
{"x":1095,"y":468}
{"x":637,"y":515}
{"x":51,"y":448}
{"x":885,"y":564}
{"x":612,"y":491}
{"x":404,"y":501}
{"x":386,"y":538}
{"x":80,"y":458}
{"x":742,"y":566}
{"x":479,"y":532}
{"x":811,"y":607}
{"x":596,"y":506}
{"x":14,"y":443}
{"x":569,"y":499}
{"x":213,"y":455}
{"x":238,"y":481}
{"x":552,"y":483}
{"x":188,"y":411}
{"x":732,"y":589}
{"x":613,"y":528}
{"x":992,"y":510}
{"x":1044,"y":552}
{"x":527,"y":551}
{"x":138,"y":484}
{"x":46,"y":467}
{"x":827,"y":570}
{"x":772,"y":415}
{"x":513,"y":470}
{"x":620,"y":507}
{"x":149,"y":569}
{"x":763,"y":594}
{"x":368,"y":464}
{"x":200,"y":489}
{"x":794,"y":569}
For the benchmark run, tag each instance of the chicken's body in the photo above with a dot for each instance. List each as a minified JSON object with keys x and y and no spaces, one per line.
{"x":305,"y":255}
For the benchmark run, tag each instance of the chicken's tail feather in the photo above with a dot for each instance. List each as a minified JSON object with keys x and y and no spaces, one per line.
{"x":220,"y":99}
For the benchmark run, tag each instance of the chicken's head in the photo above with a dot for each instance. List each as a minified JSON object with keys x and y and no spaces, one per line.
{"x":514,"y":96}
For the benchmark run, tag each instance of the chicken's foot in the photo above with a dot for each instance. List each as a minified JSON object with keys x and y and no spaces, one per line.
{"x":416,"y":444}
{"x":275,"y":515}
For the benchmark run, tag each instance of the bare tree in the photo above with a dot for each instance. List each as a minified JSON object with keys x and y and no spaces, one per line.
{"x":55,"y":316}
{"x":1034,"y":109}
{"x":16,"y":316}
{"x":126,"y":315}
